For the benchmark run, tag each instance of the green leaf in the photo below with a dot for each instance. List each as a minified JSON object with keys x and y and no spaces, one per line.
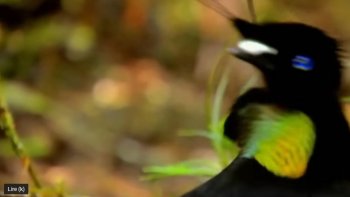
{"x":196,"y":133}
{"x":200,"y":168}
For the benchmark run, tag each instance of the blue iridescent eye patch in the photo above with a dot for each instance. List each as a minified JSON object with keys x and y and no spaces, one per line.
{"x":303,"y":63}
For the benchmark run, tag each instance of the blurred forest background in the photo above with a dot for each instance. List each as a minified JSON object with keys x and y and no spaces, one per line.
{"x":100,"y":89}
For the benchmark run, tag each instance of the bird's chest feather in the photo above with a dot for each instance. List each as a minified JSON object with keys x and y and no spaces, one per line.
{"x":281,"y":140}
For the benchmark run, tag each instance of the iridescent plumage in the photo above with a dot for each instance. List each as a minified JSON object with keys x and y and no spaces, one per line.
{"x":282,"y":141}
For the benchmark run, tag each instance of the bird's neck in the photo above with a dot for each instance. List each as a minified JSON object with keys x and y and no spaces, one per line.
{"x":305,"y":101}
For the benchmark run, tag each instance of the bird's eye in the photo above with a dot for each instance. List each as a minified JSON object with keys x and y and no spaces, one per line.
{"x":303,"y":63}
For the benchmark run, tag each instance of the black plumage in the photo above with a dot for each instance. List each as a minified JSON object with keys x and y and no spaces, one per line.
{"x":312,"y":90}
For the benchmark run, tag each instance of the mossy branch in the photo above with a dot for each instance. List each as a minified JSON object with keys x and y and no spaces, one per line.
{"x":8,"y":127}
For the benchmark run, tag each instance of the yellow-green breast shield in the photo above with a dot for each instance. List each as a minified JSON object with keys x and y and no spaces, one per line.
{"x":280,"y":140}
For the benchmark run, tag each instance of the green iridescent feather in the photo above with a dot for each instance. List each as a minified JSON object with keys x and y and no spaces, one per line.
{"x":280,"y":140}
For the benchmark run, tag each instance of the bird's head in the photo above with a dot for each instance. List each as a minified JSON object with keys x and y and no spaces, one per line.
{"x":294,"y":58}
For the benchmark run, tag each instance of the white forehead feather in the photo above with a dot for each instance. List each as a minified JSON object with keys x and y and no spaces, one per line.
{"x":254,"y":47}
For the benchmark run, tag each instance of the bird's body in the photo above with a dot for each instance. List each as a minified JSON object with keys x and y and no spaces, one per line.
{"x":293,"y":135}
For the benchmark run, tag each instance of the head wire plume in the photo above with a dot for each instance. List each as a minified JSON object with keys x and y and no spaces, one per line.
{"x":252,"y":10}
{"x":220,"y":8}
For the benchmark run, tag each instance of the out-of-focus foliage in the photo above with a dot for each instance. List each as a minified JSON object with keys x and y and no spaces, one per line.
{"x":101,"y":89}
